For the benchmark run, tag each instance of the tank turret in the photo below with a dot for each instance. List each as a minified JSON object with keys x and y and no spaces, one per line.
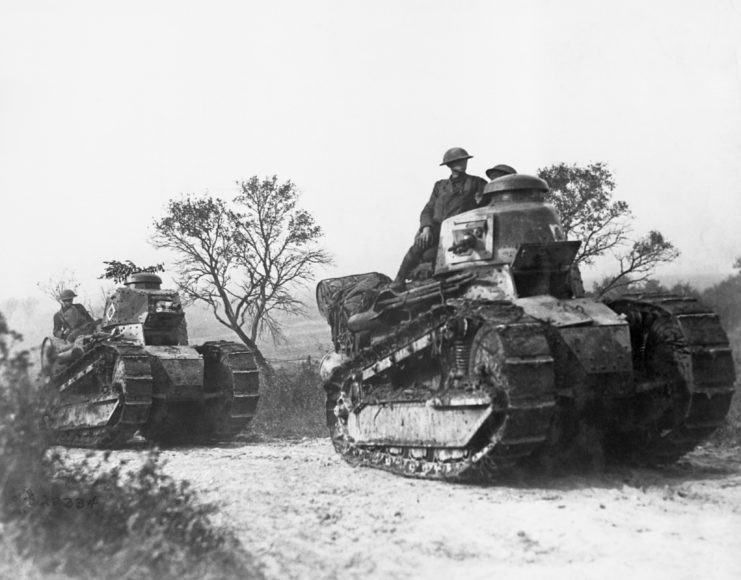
{"x":143,"y":311}
{"x":515,"y":243}
{"x":144,"y":281}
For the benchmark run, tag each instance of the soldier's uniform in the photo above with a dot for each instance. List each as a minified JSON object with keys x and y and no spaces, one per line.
{"x":449,"y":197}
{"x":69,"y":319}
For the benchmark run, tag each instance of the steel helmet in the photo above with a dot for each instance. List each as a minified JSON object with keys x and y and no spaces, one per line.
{"x":455,"y":154}
{"x":499,"y":171}
{"x":67,"y":295}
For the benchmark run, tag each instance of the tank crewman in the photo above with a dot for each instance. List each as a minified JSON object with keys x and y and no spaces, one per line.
{"x":497,"y":171}
{"x":70,"y":317}
{"x":450,"y":196}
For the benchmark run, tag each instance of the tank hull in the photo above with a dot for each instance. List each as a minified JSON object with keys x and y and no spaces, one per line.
{"x":470,"y":389}
{"x":500,"y":360}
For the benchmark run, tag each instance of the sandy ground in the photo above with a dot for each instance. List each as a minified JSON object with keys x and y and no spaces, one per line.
{"x":306,"y":514}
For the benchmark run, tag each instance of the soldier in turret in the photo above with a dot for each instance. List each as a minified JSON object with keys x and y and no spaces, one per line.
{"x":71,"y":317}
{"x":450,"y":196}
{"x":493,"y":173}
{"x":499,"y":171}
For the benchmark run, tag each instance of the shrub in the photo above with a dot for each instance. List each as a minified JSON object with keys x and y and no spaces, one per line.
{"x":103,"y":519}
{"x":292,"y":404}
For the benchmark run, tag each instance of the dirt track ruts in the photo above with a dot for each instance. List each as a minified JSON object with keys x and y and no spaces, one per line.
{"x":306,"y":514}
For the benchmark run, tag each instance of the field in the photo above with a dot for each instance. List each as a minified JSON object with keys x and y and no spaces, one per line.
{"x":304,"y":513}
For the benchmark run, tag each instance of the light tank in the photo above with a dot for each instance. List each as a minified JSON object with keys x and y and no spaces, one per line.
{"x":500,"y":360}
{"x":135,"y":371}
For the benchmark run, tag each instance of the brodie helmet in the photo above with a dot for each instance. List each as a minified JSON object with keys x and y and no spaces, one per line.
{"x":499,"y":171}
{"x":455,"y":154}
{"x":67,"y":295}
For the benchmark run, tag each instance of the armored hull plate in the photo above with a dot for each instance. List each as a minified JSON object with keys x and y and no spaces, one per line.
{"x":422,"y":423}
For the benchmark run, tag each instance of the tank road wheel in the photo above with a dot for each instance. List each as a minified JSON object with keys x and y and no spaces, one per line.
{"x":684,"y":378}
{"x":231,"y":385}
{"x":103,"y":400}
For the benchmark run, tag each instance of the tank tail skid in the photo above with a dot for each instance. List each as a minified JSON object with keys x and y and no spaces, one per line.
{"x":230,"y":373}
{"x":680,"y":334}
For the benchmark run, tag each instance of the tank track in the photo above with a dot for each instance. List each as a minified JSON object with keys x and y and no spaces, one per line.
{"x":231,"y":371}
{"x":698,"y":349}
{"x":123,"y":372}
{"x":524,"y":414}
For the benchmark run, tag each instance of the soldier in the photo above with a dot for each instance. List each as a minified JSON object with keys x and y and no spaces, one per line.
{"x":70,"y":317}
{"x":499,"y":171}
{"x":492,"y":173}
{"x":450,"y":197}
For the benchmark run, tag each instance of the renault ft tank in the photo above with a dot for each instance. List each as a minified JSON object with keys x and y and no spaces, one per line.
{"x":134,"y":371}
{"x":500,"y":360}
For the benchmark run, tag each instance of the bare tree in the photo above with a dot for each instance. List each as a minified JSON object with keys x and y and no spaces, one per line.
{"x":637,"y":264}
{"x":65,"y":280}
{"x":245,"y":259}
{"x":583,"y":197}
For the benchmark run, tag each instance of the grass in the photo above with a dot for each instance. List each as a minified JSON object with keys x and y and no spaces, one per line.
{"x":292,"y":405}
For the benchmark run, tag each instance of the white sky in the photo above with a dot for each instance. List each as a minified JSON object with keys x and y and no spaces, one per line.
{"x":107,"y":110}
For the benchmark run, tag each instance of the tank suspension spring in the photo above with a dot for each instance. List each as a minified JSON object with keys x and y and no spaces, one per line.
{"x":462,"y":350}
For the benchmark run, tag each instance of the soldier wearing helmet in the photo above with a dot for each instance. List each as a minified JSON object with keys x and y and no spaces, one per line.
{"x":71,"y":317}
{"x":451,"y":196}
{"x":493,"y":173}
{"x":500,"y":171}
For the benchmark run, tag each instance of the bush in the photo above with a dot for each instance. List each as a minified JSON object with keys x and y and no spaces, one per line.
{"x":97,"y":519}
{"x":292,"y":403}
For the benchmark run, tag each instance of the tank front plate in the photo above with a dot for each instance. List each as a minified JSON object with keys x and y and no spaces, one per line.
{"x":417,"y":424}
{"x":92,"y":413}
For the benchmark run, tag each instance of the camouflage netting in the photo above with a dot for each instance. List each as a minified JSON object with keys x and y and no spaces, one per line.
{"x":339,"y":298}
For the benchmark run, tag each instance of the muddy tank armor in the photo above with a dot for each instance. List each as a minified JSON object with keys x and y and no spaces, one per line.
{"x":136,"y":372}
{"x":500,"y":359}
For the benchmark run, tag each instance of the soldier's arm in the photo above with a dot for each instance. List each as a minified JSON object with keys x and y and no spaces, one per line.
{"x":84,"y":313}
{"x":478,"y":189}
{"x":58,"y":326}
{"x":427,"y":217}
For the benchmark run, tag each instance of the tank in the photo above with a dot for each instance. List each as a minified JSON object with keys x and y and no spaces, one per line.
{"x":134,"y":371}
{"x":499,"y":360}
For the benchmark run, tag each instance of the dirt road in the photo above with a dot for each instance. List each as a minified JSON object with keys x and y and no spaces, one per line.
{"x":306,"y":514}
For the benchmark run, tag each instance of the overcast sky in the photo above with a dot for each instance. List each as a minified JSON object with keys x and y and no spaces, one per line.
{"x":108,"y":110}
